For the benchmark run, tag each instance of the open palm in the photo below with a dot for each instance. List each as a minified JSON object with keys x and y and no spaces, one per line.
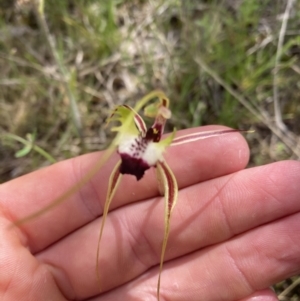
{"x":234,"y":231}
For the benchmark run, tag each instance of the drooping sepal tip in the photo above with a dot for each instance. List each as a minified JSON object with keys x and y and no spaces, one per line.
{"x":168,"y":186}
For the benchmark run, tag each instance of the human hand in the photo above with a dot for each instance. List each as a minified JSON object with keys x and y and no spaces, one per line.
{"x":234,"y":232}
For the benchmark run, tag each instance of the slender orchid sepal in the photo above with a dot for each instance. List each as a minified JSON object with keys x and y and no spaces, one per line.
{"x":169,"y":188}
{"x":203,"y":135}
{"x":114,"y":181}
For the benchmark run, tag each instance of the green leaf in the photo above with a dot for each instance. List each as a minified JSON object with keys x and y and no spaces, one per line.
{"x":24,"y":151}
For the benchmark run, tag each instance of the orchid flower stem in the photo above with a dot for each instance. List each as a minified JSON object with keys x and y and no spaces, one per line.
{"x":70,"y":191}
{"x":148,"y":97}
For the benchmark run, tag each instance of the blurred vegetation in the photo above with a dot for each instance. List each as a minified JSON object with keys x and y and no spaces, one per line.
{"x":216,"y":60}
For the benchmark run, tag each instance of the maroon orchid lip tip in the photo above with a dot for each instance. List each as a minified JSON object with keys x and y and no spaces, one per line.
{"x":133,"y":166}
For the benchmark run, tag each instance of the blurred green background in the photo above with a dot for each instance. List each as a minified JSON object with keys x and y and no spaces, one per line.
{"x":220,"y":62}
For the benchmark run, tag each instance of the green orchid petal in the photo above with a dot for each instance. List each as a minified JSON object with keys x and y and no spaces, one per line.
{"x":113,"y":183}
{"x":169,"y":188}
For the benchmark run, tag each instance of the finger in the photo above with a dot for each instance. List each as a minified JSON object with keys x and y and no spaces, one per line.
{"x":229,"y":271}
{"x":22,"y":277}
{"x":263,"y":295}
{"x":207,"y":213}
{"x":200,"y":161}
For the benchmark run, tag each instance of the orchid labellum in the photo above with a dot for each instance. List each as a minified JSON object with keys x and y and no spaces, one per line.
{"x":140,"y":148}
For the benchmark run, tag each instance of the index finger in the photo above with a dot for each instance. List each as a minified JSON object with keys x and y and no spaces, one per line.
{"x":191,"y":163}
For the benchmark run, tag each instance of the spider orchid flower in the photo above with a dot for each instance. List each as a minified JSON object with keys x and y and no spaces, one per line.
{"x":141,"y":148}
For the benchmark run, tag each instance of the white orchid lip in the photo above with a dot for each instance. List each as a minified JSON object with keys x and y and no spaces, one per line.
{"x":140,"y":153}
